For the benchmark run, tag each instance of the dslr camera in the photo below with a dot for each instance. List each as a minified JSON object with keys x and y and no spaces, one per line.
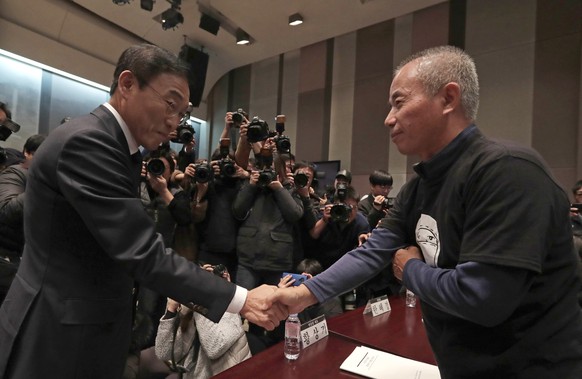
{"x":226,"y":164}
{"x":301,"y":180}
{"x":219,"y":270}
{"x":238,"y":117}
{"x":203,"y":172}
{"x":185,"y":131}
{"x":388,"y":203}
{"x":156,"y":166}
{"x":341,"y":211}
{"x":258,"y":130}
{"x":281,"y":141}
{"x":265,"y":163}
{"x":7,"y":128}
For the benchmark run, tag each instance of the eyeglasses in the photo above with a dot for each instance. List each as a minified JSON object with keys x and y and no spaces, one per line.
{"x":171,"y":110}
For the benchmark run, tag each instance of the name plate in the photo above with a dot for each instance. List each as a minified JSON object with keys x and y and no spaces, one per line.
{"x":378,"y":306}
{"x":314,"y":331}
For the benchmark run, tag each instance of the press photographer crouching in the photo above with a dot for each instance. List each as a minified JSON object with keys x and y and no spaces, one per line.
{"x":196,"y":347}
{"x":216,"y":185}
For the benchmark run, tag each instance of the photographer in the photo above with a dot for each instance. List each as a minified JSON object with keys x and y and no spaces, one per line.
{"x":304,"y":173}
{"x":268,"y":211}
{"x":212,"y":206}
{"x":338,"y":229}
{"x":196,"y":347}
{"x":12,"y":191}
{"x":169,"y":206}
{"x":375,"y":205}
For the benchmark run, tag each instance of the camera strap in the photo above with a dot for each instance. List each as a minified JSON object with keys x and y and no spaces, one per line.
{"x":176,"y":365}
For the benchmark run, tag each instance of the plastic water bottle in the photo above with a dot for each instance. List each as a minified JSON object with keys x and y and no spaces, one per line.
{"x":410,"y":299}
{"x":292,"y":337}
{"x":350,"y":301}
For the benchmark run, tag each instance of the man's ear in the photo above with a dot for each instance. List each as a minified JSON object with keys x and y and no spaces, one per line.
{"x":126,"y":82}
{"x":451,"y":95}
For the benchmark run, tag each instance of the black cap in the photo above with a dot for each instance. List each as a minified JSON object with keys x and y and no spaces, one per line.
{"x":344,"y":173}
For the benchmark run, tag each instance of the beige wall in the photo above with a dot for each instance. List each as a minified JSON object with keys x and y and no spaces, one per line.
{"x":528,"y":55}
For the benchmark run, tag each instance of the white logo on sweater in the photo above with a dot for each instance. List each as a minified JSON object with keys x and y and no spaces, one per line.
{"x":427,"y":237}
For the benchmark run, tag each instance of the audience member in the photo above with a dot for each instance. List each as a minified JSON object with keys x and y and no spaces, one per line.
{"x":496,"y":278}
{"x":196,"y":346}
{"x":69,"y":308}
{"x":329,"y":308}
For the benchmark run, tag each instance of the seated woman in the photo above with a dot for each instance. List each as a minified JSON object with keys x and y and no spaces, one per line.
{"x":196,"y":346}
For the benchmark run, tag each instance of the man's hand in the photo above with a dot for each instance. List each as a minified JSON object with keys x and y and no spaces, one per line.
{"x":295,"y":298}
{"x":260,"y":309}
{"x":401,"y":257}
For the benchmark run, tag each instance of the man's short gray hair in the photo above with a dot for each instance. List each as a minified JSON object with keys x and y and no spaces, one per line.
{"x":438,"y":66}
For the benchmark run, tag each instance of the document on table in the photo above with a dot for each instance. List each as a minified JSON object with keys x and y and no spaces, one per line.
{"x":380,"y":365}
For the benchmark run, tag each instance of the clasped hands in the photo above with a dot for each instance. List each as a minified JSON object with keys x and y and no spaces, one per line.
{"x":267,"y":305}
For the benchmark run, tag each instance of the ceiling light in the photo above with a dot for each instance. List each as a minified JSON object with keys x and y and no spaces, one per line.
{"x":171,"y":18}
{"x":295,"y":19}
{"x":242,"y":38}
{"x":121,"y":2}
{"x":147,"y":5}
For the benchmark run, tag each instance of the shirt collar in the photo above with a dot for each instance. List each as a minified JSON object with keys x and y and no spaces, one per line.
{"x":131,"y":142}
{"x":440,"y":162}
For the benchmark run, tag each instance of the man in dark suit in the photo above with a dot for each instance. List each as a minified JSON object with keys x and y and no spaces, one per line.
{"x":68,"y":312}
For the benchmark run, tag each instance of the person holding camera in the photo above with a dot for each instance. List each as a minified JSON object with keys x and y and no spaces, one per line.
{"x":216,"y":186}
{"x":268,"y":209}
{"x":339,"y":227}
{"x":12,"y":193}
{"x":195,"y":347}
{"x":375,"y":204}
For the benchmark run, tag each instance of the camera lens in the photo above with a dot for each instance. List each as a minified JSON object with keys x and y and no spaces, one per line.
{"x":203,"y":173}
{"x":156,"y":167}
{"x":340,"y":213}
{"x":219,"y":270}
{"x":301,"y":180}
{"x":265,"y":177}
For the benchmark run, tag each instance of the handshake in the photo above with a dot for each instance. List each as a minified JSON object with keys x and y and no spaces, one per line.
{"x":267,"y":305}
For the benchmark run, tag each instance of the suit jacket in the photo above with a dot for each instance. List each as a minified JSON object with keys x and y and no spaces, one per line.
{"x":68,"y":313}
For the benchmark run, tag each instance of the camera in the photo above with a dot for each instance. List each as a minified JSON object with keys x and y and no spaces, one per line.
{"x":266,"y":176}
{"x":388,"y":203}
{"x":185,"y":131}
{"x":578,"y":206}
{"x":226,"y":164}
{"x":203,"y":172}
{"x":156,"y":167}
{"x":340,"y":212}
{"x":7,"y":128}
{"x":281,"y":141}
{"x":238,"y":117}
{"x":184,"y":134}
{"x":258,"y":130}
{"x":299,"y":279}
{"x":219,"y":270}
{"x":301,"y":180}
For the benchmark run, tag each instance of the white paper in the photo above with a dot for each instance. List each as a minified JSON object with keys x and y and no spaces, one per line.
{"x":381,"y":365}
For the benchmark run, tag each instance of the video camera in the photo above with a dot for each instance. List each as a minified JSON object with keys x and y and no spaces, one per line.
{"x":185,"y":131}
{"x":341,"y":211}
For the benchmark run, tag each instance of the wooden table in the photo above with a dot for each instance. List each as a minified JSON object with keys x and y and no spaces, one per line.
{"x":399,"y":332}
